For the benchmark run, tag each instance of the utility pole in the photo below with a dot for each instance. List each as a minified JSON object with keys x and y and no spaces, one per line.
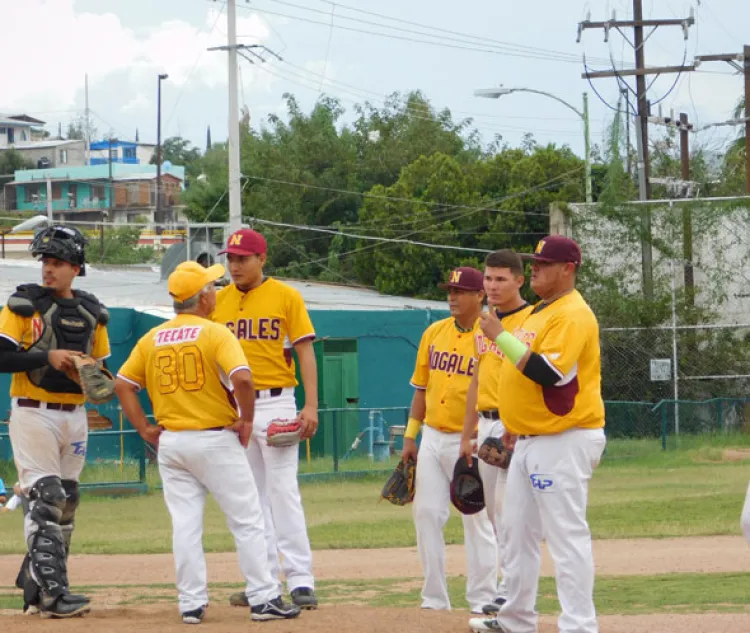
{"x":157,"y":215}
{"x":746,"y":68}
{"x":87,"y":130}
{"x":235,"y":197}
{"x":687,"y":213}
{"x":49,"y":200}
{"x":639,"y":72}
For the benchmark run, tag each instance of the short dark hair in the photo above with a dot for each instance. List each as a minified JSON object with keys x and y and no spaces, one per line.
{"x":505,"y":258}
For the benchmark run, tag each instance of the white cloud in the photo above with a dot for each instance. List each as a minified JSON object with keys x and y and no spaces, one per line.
{"x":53,"y":48}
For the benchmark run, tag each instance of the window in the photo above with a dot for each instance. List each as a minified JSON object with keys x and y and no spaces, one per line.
{"x":23,"y":135}
{"x":56,"y":191}
{"x":128,"y":152}
{"x":3,"y":130}
{"x":63,"y":156}
{"x":98,"y":195}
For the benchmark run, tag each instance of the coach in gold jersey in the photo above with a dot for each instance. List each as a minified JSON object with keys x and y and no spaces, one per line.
{"x":552,"y":408}
{"x":195,"y":375}
{"x":270,"y":321}
{"x":446,"y":363}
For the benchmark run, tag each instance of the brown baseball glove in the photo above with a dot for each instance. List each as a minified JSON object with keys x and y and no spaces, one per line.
{"x":97,"y":383}
{"x":494,"y":453}
{"x":284,"y":432}
{"x":399,"y":489}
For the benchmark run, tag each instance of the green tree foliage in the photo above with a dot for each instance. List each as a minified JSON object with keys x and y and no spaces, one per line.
{"x":120,"y":246}
{"x":12,"y":160}
{"x":180,"y":151}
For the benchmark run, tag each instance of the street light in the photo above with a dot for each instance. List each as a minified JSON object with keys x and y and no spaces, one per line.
{"x":496,"y":93}
{"x":157,"y":215}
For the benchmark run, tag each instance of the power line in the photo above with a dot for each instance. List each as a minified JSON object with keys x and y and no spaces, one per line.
{"x":495,"y":50}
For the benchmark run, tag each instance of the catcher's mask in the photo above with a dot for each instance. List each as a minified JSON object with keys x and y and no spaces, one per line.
{"x":467,"y":492}
{"x":61,"y":242}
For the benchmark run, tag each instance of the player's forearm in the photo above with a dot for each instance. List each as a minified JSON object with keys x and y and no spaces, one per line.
{"x":131,"y":406}
{"x":13,"y":362}
{"x":308,"y":370}
{"x":470,"y":415}
{"x":418,"y":405}
{"x":244,"y":393}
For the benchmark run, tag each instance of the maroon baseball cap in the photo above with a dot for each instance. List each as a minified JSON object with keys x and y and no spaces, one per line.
{"x":464,"y":278}
{"x":245,"y":242}
{"x":556,"y":249}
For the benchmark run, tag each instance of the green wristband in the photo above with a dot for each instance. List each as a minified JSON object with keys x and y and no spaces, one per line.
{"x":509,"y":345}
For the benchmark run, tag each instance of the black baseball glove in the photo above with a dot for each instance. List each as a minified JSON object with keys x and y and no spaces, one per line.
{"x":399,"y":489}
{"x":493,"y":452}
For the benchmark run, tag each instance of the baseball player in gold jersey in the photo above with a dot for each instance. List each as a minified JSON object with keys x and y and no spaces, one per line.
{"x":503,"y":279}
{"x":552,"y":408}
{"x":195,"y":374}
{"x":270,"y":321}
{"x":41,"y":329}
{"x":444,"y":368}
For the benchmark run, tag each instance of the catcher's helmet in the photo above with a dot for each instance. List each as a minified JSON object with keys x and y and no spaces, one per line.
{"x":61,"y":242}
{"x":467,"y":492}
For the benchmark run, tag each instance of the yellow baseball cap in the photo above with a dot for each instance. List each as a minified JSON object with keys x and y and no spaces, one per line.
{"x":189,"y":277}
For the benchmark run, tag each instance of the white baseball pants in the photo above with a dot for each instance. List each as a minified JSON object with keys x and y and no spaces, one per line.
{"x":275,"y":471}
{"x":745,"y":521}
{"x":438,"y":453}
{"x":191,"y":464}
{"x":46,"y":443}
{"x":548,"y":491}
{"x":494,"y":480}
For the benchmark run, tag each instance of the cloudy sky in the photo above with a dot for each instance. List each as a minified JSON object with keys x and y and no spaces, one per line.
{"x":446,"y":49}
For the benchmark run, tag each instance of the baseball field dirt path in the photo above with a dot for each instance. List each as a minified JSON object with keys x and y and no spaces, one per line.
{"x":613,"y":557}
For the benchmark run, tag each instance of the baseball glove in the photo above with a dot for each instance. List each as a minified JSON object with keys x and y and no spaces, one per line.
{"x":399,"y":489}
{"x":284,"y":432}
{"x":97,"y":383}
{"x":494,"y":453}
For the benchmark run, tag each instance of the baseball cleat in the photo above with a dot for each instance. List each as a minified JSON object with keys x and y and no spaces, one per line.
{"x":275,"y":609}
{"x":304,"y":598}
{"x":494,"y":606}
{"x":66,"y":606}
{"x":195,"y":616}
{"x":482,"y":624}
{"x":239,"y":599}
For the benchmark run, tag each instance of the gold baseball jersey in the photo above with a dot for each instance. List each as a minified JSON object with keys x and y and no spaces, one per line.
{"x":268,"y":321}
{"x":566,"y":334}
{"x":490,"y":359}
{"x":444,"y":368}
{"x":185,"y":365}
{"x":24,"y":332}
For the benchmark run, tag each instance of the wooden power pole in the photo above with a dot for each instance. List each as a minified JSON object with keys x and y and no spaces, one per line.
{"x":638,"y":24}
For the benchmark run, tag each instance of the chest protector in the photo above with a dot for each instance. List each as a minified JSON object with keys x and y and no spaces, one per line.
{"x":66,"y":324}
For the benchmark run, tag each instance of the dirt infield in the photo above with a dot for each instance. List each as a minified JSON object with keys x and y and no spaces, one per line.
{"x":343,"y":619}
{"x":616,"y":557}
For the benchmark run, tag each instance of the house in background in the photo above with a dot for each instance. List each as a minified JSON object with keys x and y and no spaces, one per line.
{"x":19,"y":129}
{"x":53,"y":153}
{"x":86,"y":194}
{"x":122,"y":152}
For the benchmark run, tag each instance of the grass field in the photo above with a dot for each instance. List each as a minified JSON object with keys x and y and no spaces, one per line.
{"x":638,"y":491}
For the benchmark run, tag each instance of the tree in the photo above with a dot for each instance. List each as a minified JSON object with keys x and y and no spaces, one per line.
{"x":11,"y":160}
{"x":77,"y":129}
{"x":180,"y":151}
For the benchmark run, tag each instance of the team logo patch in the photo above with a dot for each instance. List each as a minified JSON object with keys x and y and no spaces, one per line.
{"x":236,"y":239}
{"x":541,"y":482}
{"x":455,"y":277}
{"x":79,"y":448}
{"x":539,"y":247}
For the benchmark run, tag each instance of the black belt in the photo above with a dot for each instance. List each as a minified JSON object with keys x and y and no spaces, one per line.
{"x":492,"y":414}
{"x":52,"y":406}
{"x":275,"y":392}
{"x":216,"y":428}
{"x":526,"y":437}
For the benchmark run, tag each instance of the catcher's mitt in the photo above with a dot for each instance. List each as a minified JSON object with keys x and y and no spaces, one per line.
{"x":284,"y":432}
{"x":494,"y":453}
{"x":97,"y":383}
{"x":399,"y":489}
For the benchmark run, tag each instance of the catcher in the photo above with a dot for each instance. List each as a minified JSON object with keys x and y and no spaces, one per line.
{"x":503,"y":279}
{"x":44,"y":330}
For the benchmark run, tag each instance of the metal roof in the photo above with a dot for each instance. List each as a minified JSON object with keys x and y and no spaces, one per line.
{"x":142,"y":289}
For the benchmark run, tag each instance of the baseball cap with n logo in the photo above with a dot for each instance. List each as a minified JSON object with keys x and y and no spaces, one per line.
{"x":464,"y":278}
{"x":245,"y":242}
